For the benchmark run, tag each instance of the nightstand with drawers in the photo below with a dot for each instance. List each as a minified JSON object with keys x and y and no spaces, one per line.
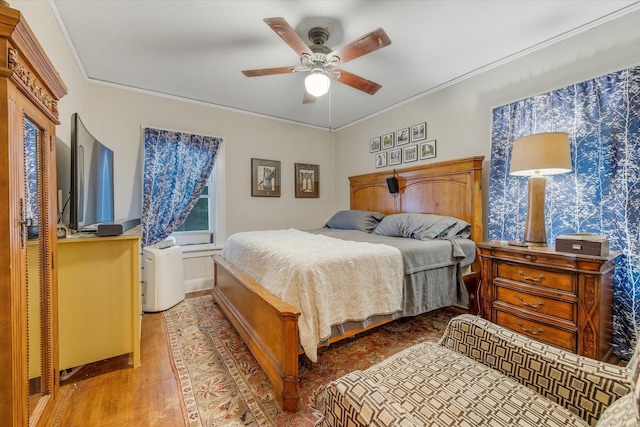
{"x":562,"y":299}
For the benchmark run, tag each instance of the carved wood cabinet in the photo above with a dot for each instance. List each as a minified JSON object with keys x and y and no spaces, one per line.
{"x":558,"y":298}
{"x":29,"y":92}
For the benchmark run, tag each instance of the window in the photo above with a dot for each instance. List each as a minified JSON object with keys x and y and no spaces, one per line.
{"x":199,"y":227}
{"x":208,"y":210}
{"x":198,"y":219}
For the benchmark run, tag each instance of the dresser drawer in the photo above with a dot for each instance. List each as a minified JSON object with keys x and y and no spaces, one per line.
{"x":537,"y":330}
{"x":560,"y":298}
{"x":537,"y":304}
{"x":533,"y":276}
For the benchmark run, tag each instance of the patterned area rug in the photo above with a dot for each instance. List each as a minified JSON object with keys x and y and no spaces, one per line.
{"x":223,"y":385}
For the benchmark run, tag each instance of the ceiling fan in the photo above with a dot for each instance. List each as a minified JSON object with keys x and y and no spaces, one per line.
{"x":320,"y":61}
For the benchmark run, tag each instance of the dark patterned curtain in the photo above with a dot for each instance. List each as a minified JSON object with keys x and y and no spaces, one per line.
{"x":177,"y":166}
{"x":601,"y":195}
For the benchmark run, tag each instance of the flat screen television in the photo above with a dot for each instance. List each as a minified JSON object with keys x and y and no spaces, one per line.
{"x":91,"y":193}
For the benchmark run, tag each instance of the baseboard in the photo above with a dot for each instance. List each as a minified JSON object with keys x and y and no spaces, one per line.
{"x":199,"y":284}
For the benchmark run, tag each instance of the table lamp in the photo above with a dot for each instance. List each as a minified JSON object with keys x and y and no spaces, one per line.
{"x":535,"y":156}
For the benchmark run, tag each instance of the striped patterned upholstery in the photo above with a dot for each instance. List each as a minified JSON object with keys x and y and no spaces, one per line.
{"x":518,"y":382}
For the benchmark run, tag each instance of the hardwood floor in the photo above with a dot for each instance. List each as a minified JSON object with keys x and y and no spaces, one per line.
{"x":110,"y":393}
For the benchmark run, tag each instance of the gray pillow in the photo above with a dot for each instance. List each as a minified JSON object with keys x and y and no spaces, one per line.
{"x":423,"y":226}
{"x":459,"y":230}
{"x":355,"y":220}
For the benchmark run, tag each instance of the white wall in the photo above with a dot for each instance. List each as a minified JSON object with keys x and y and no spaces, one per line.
{"x":459,"y":116}
{"x":42,"y":22}
{"x":118,"y":116}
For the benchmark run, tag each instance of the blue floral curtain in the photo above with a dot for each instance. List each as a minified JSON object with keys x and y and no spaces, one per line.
{"x":601,"y":195}
{"x":177,"y":166}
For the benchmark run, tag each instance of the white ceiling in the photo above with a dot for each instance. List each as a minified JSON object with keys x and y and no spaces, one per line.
{"x":196,"y":49}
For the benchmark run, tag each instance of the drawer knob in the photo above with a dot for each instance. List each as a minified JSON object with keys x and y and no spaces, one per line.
{"x":531,"y":331}
{"x":540,"y":278}
{"x":528,"y":304}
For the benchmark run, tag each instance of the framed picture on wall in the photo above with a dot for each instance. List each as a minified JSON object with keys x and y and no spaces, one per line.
{"x":374,"y":144}
{"x":428,"y":150}
{"x":381,"y":159}
{"x":395,"y":157}
{"x":265,"y":178}
{"x":387,"y":141}
{"x":410,"y":154}
{"x":418,"y":132}
{"x":402,"y":136}
{"x":307,"y":180}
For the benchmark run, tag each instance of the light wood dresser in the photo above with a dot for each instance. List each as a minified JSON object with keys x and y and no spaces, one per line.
{"x":99,"y":298}
{"x":562,"y":299}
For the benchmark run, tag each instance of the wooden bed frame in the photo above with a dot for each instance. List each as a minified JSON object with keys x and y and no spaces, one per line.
{"x":269,"y":326}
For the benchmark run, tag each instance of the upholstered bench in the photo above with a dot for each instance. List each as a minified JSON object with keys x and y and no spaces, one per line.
{"x":480,"y":374}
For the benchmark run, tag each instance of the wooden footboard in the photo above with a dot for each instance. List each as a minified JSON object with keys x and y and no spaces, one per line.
{"x":266,"y":324}
{"x":269,"y":326}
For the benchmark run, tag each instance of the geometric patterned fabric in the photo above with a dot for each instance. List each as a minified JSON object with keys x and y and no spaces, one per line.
{"x":626,"y":411}
{"x":481,"y":374}
{"x":584,"y":386}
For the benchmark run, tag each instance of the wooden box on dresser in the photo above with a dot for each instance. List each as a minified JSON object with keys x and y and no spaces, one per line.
{"x":558,"y":298}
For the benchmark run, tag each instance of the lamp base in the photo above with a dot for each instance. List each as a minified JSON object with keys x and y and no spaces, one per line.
{"x":517,"y":243}
{"x":525,"y":244}
{"x":535,"y":233}
{"x":538,"y":244}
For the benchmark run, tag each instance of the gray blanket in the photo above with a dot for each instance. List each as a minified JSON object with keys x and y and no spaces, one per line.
{"x":417,"y":255}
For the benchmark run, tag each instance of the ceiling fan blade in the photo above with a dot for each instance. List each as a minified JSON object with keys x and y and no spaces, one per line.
{"x":357,"y":82}
{"x":366,"y":44}
{"x":308,"y":98}
{"x":289,"y":35}
{"x":268,"y":71}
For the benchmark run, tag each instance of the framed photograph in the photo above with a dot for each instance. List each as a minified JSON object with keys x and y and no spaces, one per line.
{"x":395,"y":157}
{"x":265,"y":178}
{"x":307,"y":180}
{"x":402,"y":136}
{"x":428,"y":150}
{"x":381,"y":159}
{"x":418,"y":132}
{"x":410,"y":154}
{"x":387,"y":141}
{"x":374,"y":144}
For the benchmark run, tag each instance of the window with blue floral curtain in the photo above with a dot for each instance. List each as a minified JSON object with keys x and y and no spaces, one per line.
{"x":601,"y":195}
{"x":176,"y":168}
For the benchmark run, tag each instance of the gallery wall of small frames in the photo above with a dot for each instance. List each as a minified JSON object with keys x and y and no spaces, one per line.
{"x":405,"y":145}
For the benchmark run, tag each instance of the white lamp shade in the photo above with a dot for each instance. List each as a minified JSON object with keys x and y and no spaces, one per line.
{"x":317,"y":84}
{"x":542,"y":153}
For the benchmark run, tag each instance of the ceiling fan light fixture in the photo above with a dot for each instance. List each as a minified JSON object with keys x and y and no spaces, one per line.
{"x":317,"y":83}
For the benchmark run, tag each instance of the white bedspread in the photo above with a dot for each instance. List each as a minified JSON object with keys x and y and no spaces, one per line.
{"x":329,"y":280}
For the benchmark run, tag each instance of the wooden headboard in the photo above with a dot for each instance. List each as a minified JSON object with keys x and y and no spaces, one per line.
{"x":452,"y":188}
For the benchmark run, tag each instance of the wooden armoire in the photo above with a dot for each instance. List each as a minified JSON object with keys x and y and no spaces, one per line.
{"x":30,"y":89}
